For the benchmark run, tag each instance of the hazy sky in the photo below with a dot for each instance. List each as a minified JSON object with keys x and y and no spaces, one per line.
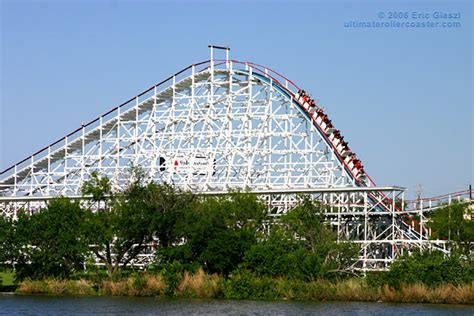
{"x":402,"y":96}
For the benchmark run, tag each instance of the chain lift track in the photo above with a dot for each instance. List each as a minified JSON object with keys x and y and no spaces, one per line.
{"x":219,"y":125}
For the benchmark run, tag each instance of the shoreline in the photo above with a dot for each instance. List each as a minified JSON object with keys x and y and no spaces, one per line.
{"x":204,"y":286}
{"x":467,"y":305}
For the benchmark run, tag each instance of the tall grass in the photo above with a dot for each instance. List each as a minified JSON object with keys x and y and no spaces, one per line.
{"x":419,"y":293}
{"x":202,"y":285}
{"x":32,"y":287}
{"x":57,"y":287}
{"x":356,"y":290}
{"x":388,"y":294}
{"x":139,"y":285}
{"x":116,"y":288}
{"x":464,"y":294}
{"x":414,"y":293}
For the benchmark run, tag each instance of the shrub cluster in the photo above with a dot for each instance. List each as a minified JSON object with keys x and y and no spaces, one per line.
{"x":209,"y":247}
{"x":243,"y":284}
{"x":429,"y":268}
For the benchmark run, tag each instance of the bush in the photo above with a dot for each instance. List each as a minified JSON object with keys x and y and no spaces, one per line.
{"x":293,"y":289}
{"x":271,"y":257}
{"x":239,"y":285}
{"x":172,"y":274}
{"x":50,"y":243}
{"x":243,"y":284}
{"x":377,"y":279}
{"x":430,"y":268}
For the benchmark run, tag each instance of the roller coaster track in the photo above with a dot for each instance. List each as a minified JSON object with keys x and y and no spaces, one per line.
{"x":175,"y":123}
{"x":326,"y":133}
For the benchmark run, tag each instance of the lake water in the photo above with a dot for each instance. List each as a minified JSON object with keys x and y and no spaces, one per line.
{"x":67,"y":305}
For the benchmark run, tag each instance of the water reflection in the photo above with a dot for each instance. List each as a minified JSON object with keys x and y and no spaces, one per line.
{"x":67,"y":305}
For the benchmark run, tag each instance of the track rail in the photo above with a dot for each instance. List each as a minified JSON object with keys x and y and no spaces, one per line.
{"x":157,"y":85}
{"x":382,"y":200}
{"x":284,"y":84}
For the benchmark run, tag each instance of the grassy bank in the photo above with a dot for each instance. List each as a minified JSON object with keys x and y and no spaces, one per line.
{"x":245,"y":286}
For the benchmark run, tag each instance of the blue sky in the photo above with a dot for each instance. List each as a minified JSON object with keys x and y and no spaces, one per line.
{"x":401,"y":96}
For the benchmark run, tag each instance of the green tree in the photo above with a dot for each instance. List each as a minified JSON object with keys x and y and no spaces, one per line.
{"x":306,"y":222}
{"x":273,"y":256}
{"x":449,"y":223}
{"x":51,"y":242}
{"x":8,"y":247}
{"x":120,"y":230}
{"x":101,"y":219}
{"x":302,"y":245}
{"x":131,"y":220}
{"x":217,"y":231}
{"x":168,"y":206}
{"x":98,"y":188}
{"x":431,"y":268}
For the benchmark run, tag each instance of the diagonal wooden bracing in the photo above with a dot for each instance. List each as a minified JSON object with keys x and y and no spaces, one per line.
{"x":214,"y":127}
{"x":208,"y":131}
